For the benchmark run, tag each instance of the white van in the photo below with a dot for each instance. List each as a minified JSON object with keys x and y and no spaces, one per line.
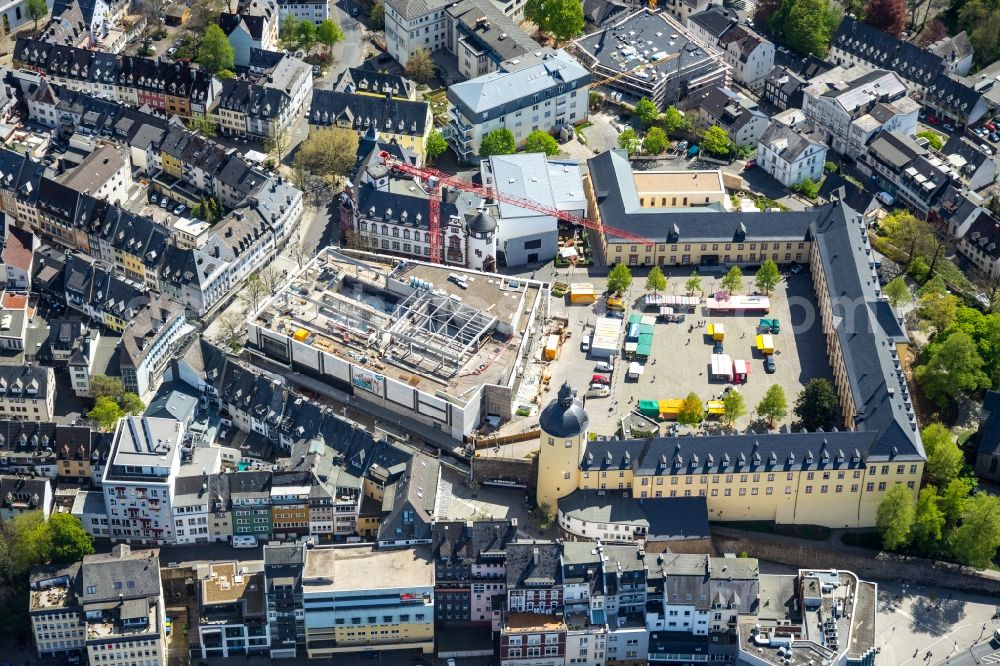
{"x":244,"y":541}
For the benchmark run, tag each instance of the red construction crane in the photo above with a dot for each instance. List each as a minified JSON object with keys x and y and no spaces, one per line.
{"x":435,"y":179}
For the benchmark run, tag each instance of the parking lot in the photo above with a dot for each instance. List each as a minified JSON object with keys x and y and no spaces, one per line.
{"x":681,"y":359}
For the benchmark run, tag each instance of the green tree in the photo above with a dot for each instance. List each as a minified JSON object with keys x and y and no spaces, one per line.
{"x":377,"y":15}
{"x":675,"y":121}
{"x":288,"y":31}
{"x":816,"y":405}
{"x":938,"y":309}
{"x":420,"y":66}
{"x":692,"y":412}
{"x":277,"y":143}
{"x":436,"y":145}
{"x":253,"y":293}
{"x":903,"y":230}
{"x":132,"y":404}
{"x":306,"y":35}
{"x":895,"y":517}
{"x":498,"y":142}
{"x":735,"y":406}
{"x":953,"y":367}
{"x":541,"y":141}
{"x":716,"y":141}
{"x":934,"y":139}
{"x":655,"y":141}
{"x":647,"y":112}
{"x":105,"y":413}
{"x":69,"y":540}
{"x":767,"y":276}
{"x":976,"y":541}
{"x":328,"y":153}
{"x":619,"y":279}
{"x":215,"y":53}
{"x":563,"y":19}
{"x":928,"y":521}
{"x":628,"y":141}
{"x":656,"y":281}
{"x":806,"y":26}
{"x":29,"y":542}
{"x":733,"y":280}
{"x":944,"y":458}
{"x":328,"y":34}
{"x":953,"y":499}
{"x":36,"y":10}
{"x":108,"y":387}
{"x":897,"y":292}
{"x":807,"y":188}
{"x":773,"y":405}
{"x":203,"y":125}
{"x":693,"y":284}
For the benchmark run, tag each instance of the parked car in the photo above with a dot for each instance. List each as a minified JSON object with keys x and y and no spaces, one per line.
{"x":995,"y":137}
{"x":164,"y":202}
{"x":604,"y":366}
{"x":796,"y":269}
{"x":750,"y":164}
{"x":932,"y":120}
{"x":979,"y":131}
{"x":179,"y":209}
{"x":769,"y":364}
{"x":316,"y":70}
{"x":718,"y":348}
{"x":948,"y":127}
{"x":153,"y":198}
{"x":986,"y":149}
{"x":990,"y":126}
{"x":886,"y":198}
{"x":585,"y":344}
{"x":171,"y":51}
{"x":599,"y":379}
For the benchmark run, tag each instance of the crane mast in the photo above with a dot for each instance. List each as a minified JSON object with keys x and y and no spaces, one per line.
{"x":435,"y":179}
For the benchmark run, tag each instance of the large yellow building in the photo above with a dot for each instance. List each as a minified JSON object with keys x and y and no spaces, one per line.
{"x":835,"y":478}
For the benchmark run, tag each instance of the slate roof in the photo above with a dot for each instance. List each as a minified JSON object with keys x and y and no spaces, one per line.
{"x":984,"y":235}
{"x":618,"y":202}
{"x":715,"y":20}
{"x":32,"y":438}
{"x":26,"y":380}
{"x":143,"y":329}
{"x":969,"y":152}
{"x":356,"y":79}
{"x":523,"y":572}
{"x":856,"y":198}
{"x":392,"y":116}
{"x":884,"y":51}
{"x":26,"y":492}
{"x":499,"y":37}
{"x":989,"y":428}
{"x":564,"y":416}
{"x":663,"y":518}
{"x":120,"y":574}
{"x":788,"y":142}
{"x":411,"y":9}
{"x":951,"y":93}
{"x":520,"y":80}
{"x":410,"y":502}
{"x":600,"y":12}
{"x":454,"y":539}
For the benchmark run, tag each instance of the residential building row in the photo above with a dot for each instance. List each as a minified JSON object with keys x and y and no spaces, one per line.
{"x":545,"y":602}
{"x":749,"y":55}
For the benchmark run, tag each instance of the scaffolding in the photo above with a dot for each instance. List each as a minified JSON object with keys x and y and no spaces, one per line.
{"x":438,"y":328}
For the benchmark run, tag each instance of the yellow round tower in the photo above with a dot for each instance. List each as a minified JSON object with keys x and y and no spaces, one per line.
{"x":564,"y":436}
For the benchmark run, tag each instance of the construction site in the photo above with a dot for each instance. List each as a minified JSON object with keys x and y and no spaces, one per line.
{"x":442,"y":345}
{"x":652,"y":55}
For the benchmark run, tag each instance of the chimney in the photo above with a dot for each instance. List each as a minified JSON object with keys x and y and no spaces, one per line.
{"x":534,"y":556}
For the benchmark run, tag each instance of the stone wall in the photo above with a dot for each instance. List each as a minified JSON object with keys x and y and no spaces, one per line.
{"x":522,"y":470}
{"x":867,"y":564}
